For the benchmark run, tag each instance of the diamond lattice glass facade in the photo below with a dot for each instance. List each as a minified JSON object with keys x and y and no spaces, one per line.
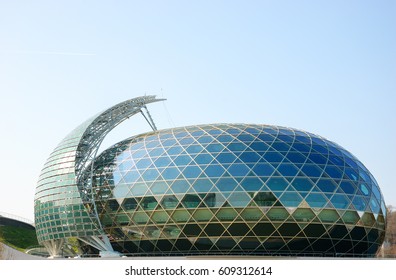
{"x":237,"y":189}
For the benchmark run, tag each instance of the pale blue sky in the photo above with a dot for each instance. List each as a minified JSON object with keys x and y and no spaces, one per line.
{"x":328,"y":67}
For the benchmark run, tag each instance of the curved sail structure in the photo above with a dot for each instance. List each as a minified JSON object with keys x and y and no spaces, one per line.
{"x":64,"y":205}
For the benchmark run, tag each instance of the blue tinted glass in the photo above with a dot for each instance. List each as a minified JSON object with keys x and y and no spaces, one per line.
{"x":174,"y":150}
{"x":162,"y":162}
{"x":340,"y":201}
{"x":303,"y":139}
{"x":182,"y":160}
{"x":317,"y":158}
{"x":251,"y":184}
{"x":159,"y":187}
{"x":224,"y":138}
{"x":376,"y":192}
{"x":171,"y":173}
{"x":214,"y":171}
{"x":295,"y":157}
{"x":263,"y":169}
{"x":245,"y":137}
{"x":214,"y":132}
{"x":350,"y":161}
{"x":333,"y":172}
{"x":277,"y":184}
{"x":320,"y":149}
{"x":280,"y":146}
{"x":197,"y":133}
{"x":316,"y":200}
{"x":273,"y":157}
{"x":303,"y":148}
{"x":302,"y":184}
{"x":252,"y":130}
{"x":186,"y":141}
{"x":205,"y":139}
{"x":285,"y":138}
{"x":347,"y":187}
{"x":359,"y":203}
{"x":180,"y":186}
{"x":290,"y":199}
{"x":226,"y":184}
{"x":312,"y":170}
{"x":194,"y":149}
{"x":364,"y":189}
{"x":169,"y":142}
{"x":202,"y":185}
{"x":125,"y":165}
{"x":233,"y":131}
{"x":226,"y":158}
{"x":236,"y":147}
{"x":131,"y":176}
{"x":336,"y":160}
{"x":249,"y":157}
{"x":139,"y":189}
{"x":238,"y":170}
{"x":213,"y":148}
{"x":151,"y":144}
{"x":120,"y":191}
{"x":266,"y":138}
{"x":156,"y":152}
{"x":351,"y":174}
{"x":259,"y":146}
{"x":326,"y":185}
{"x":191,"y":171}
{"x":238,"y":199}
{"x":374,"y":205}
{"x":143,"y":163}
{"x":203,"y":158}
{"x":287,"y":169}
{"x":150,"y":175}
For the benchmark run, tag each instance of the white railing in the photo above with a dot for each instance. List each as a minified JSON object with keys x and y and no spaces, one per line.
{"x":17,"y":218}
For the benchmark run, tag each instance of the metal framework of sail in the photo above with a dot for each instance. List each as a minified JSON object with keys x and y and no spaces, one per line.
{"x":64,"y":199}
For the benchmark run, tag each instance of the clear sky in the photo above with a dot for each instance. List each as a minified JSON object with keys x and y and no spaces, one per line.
{"x":328,"y":67}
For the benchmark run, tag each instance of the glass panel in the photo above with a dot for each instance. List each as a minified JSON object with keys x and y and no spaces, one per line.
{"x":351,"y":174}
{"x":317,"y":158}
{"x":170,"y":173}
{"x":191,"y":201}
{"x":251,"y":214}
{"x":251,"y":184}
{"x":202,"y":215}
{"x":328,"y":216}
{"x":273,"y":157}
{"x":277,"y":214}
{"x":214,"y":148}
{"x":302,"y":184}
{"x":368,"y":219}
{"x":181,"y":215}
{"x":326,"y":185}
{"x":226,"y":184}
{"x":364,"y":189}
{"x":148,"y":203}
{"x":311,"y":170}
{"x":359,"y":203}
{"x":374,"y":205}
{"x":287,"y":169}
{"x":192,"y":171}
{"x":249,"y":157}
{"x":214,"y":171}
{"x":340,"y":201}
{"x":226,"y":214}
{"x":203,"y":159}
{"x":140,"y":218}
{"x":120,"y":191}
{"x":350,"y":217}
{"x":182,"y":160}
{"x":159,"y":187}
{"x":129,"y":204}
{"x":238,"y":199}
{"x":259,"y":146}
{"x":160,"y":217}
{"x":334,"y":172}
{"x":202,"y":185}
{"x":226,"y":158}
{"x":277,"y":184}
{"x":295,"y":157}
{"x":280,"y":146}
{"x":290,"y":199}
{"x":264,"y":199}
{"x":238,"y":170}
{"x":139,"y":189}
{"x":316,"y":200}
{"x":263,"y":169}
{"x":303,"y":215}
{"x":169,"y":202}
{"x":347,"y":187}
{"x":180,"y":186}
{"x":162,"y":162}
{"x":214,"y":200}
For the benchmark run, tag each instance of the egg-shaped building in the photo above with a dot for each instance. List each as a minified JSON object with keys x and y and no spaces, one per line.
{"x":220,"y":189}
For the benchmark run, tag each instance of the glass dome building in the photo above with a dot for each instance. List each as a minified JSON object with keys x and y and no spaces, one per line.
{"x":220,"y":189}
